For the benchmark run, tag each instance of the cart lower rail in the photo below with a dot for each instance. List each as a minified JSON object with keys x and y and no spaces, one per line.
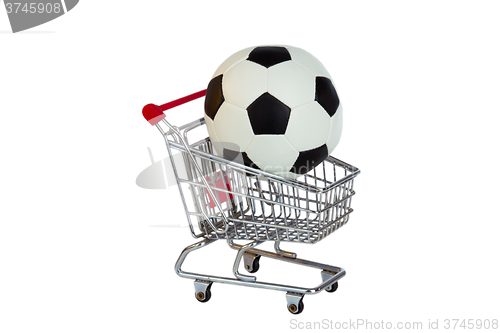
{"x":251,"y":256}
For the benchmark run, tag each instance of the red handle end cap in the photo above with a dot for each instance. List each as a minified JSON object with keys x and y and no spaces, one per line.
{"x":152,"y":113}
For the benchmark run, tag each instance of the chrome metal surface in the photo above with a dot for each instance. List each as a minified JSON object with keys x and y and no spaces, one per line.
{"x":293,"y":301}
{"x":200,"y":289}
{"x":327,"y":276}
{"x":283,"y":253}
{"x":197,"y":168}
{"x":340,"y":273}
{"x":249,"y":260}
{"x":241,"y":251}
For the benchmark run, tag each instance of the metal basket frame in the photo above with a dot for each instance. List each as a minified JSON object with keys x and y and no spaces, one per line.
{"x":234,"y":202}
{"x":262,"y":206}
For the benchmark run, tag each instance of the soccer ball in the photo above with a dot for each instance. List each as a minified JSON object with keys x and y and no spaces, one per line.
{"x":276,"y":107}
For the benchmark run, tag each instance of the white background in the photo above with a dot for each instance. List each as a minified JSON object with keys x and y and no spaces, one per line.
{"x":83,"y":249}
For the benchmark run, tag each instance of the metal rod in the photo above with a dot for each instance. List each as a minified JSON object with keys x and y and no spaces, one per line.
{"x":338,"y":272}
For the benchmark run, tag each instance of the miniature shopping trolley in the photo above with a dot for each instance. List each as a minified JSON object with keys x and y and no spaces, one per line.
{"x":227,"y":200}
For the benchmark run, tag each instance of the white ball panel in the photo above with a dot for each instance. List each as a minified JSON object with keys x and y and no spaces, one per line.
{"x":232,"y":60}
{"x":272,"y":153}
{"x":232,"y":125}
{"x":308,"y":126}
{"x":309,"y":61}
{"x":213,"y":135}
{"x":243,"y":83}
{"x":335,"y":130}
{"x":291,"y":83}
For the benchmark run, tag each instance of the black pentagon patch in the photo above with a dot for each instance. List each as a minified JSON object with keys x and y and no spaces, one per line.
{"x":326,"y":95}
{"x":249,"y":162}
{"x":309,"y":159}
{"x":214,"y":97}
{"x":268,"y":56}
{"x":268,"y":115}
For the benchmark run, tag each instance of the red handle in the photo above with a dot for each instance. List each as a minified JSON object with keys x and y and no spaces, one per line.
{"x":154,"y":113}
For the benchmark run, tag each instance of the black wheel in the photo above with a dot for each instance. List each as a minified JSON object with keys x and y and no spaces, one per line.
{"x":332,"y":288}
{"x":255,"y":265}
{"x":296,"y":310}
{"x":204,"y":297}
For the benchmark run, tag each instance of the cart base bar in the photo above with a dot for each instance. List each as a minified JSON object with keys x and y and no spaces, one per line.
{"x":329,"y":274}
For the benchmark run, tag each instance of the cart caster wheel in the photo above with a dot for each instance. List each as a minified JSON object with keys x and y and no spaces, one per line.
{"x":252,"y":266}
{"x":251,"y":262}
{"x":294,"y":302}
{"x":296,"y":309}
{"x":202,"y":291}
{"x":332,"y":288}
{"x":203,"y":296}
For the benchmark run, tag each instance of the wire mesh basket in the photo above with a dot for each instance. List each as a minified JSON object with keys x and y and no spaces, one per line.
{"x":258,"y":205}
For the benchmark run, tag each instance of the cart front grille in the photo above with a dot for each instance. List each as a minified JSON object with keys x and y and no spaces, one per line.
{"x":260,"y":206}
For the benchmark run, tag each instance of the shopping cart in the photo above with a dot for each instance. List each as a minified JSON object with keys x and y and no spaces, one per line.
{"x":227,"y":200}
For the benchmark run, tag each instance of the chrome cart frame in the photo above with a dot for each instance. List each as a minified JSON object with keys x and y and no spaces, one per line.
{"x":231,"y":201}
